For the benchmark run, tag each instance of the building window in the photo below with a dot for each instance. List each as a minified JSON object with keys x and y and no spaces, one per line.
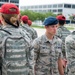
{"x":49,"y":6}
{"x":14,"y":1}
{"x":44,"y":6}
{"x":54,"y":10}
{"x":35,"y":6}
{"x":54,"y":6}
{"x":67,"y":5}
{"x":32,"y":7}
{"x":40,"y":6}
{"x":60,"y":5}
{"x":28,"y":7}
{"x":59,"y":10}
{"x":4,"y":0}
{"x":73,"y":6}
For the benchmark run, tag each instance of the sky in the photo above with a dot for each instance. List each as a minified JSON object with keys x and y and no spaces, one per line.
{"x":39,"y":2}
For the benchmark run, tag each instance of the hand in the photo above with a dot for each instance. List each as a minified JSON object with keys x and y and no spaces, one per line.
{"x":64,"y":62}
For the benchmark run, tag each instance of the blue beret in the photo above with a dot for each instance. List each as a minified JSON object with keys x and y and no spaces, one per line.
{"x":50,"y":21}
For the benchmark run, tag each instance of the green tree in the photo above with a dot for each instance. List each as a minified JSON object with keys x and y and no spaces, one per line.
{"x":36,"y":15}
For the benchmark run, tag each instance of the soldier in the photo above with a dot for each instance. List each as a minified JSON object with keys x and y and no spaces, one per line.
{"x":34,"y":31}
{"x":62,"y":32}
{"x":24,"y":21}
{"x":14,"y":45}
{"x":48,"y":51}
{"x":70,"y":50}
{"x":29,"y":22}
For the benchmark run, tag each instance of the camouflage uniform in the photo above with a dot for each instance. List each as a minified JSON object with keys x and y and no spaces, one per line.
{"x":46,"y":54}
{"x":35,"y":33}
{"x":70,"y":52}
{"x":62,"y":33}
{"x":0,"y":26}
{"x":26,"y":34}
{"x":22,"y":66}
{"x":30,"y":30}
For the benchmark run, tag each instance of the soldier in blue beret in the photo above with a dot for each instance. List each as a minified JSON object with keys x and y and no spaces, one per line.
{"x":48,"y":50}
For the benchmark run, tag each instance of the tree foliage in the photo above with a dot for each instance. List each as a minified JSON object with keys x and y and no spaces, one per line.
{"x":37,"y":16}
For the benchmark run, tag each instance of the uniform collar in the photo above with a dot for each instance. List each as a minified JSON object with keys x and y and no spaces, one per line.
{"x":50,"y":41}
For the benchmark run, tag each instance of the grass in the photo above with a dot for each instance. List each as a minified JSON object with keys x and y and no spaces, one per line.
{"x":70,"y":28}
{"x":36,"y":26}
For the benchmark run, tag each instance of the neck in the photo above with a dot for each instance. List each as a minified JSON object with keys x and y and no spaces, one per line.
{"x":49,"y":36}
{"x":3,"y":23}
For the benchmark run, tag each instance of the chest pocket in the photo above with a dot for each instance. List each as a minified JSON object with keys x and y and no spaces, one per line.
{"x":44,"y":49}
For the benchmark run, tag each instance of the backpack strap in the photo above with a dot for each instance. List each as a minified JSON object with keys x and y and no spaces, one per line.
{"x":6,"y":31}
{"x":1,"y":57}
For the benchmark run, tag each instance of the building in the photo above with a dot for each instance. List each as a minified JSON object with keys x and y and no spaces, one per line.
{"x":10,"y":1}
{"x":60,"y":8}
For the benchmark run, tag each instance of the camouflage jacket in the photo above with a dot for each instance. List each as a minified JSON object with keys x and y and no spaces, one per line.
{"x":70,"y":52}
{"x":30,"y":30}
{"x":62,"y":33}
{"x":46,"y":54}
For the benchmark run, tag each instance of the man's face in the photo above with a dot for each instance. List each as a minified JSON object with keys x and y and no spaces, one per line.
{"x":51,"y":29}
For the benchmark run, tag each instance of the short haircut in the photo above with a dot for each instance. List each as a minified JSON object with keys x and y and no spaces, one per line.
{"x":62,"y":22}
